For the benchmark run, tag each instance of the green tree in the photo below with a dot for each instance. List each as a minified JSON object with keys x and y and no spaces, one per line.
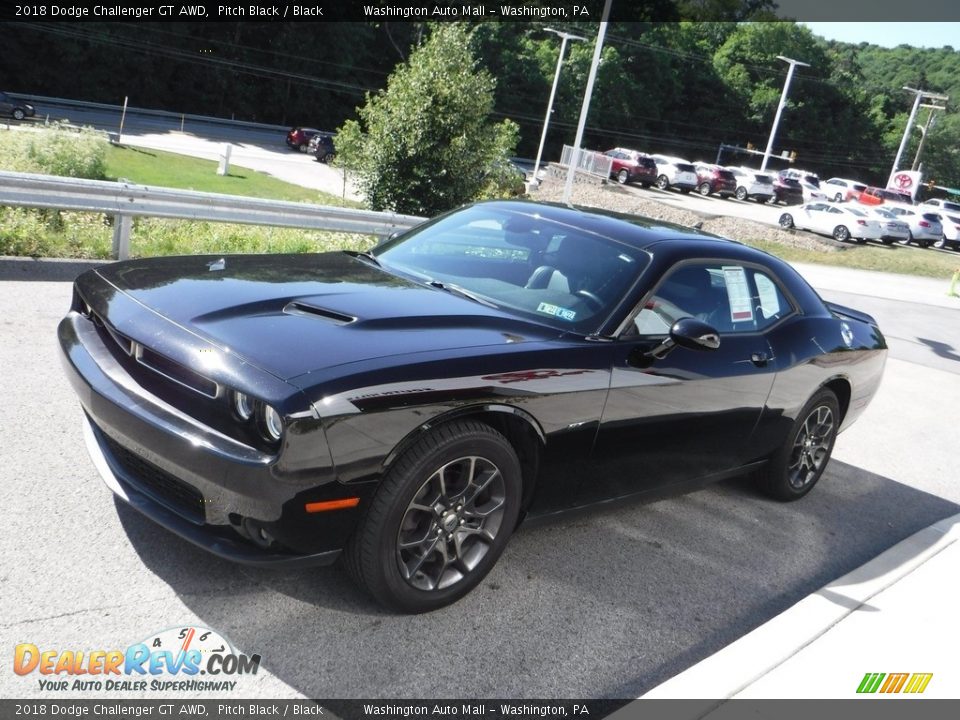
{"x":426,"y":144}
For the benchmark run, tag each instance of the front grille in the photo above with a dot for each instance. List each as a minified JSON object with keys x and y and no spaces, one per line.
{"x":158,"y":484}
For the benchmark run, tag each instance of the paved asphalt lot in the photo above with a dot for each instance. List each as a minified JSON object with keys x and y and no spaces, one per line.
{"x":606,"y":604}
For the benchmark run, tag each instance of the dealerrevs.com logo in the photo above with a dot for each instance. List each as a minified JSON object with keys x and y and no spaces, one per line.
{"x":890,"y":683}
{"x":168,"y":661}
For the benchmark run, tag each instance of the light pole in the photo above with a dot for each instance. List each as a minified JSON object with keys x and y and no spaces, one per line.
{"x":564,"y":36}
{"x":783,"y":102}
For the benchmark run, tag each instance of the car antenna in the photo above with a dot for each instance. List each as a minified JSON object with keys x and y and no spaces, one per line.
{"x":698,"y":225}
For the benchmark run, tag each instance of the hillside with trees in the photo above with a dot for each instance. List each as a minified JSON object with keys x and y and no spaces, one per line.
{"x":680,"y":87}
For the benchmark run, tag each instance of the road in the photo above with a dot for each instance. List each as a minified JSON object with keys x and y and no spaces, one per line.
{"x":605,"y":604}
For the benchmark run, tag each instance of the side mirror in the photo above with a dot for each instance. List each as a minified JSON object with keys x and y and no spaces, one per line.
{"x":687,"y":333}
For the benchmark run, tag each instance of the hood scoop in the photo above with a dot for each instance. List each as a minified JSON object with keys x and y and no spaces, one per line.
{"x":298,"y":307}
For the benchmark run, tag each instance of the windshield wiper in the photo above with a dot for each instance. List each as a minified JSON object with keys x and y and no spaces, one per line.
{"x":364,"y":255}
{"x":463,"y":292}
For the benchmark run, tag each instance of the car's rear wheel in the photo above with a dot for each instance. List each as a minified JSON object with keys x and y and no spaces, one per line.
{"x":786,"y":221}
{"x":797,"y":466}
{"x":18,"y":114}
{"x":841,"y":233}
{"x":622,"y":177}
{"x":704,"y":189}
{"x":741,"y":193}
{"x":327,"y":158}
{"x":662,"y":182}
{"x":439,"y":520}
{"x":908,"y":239}
{"x":838,"y":197}
{"x":941,"y":243}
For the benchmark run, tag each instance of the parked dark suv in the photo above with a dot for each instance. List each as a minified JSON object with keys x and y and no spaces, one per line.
{"x":787,"y":190}
{"x":298,"y":138}
{"x":632,"y":166}
{"x":321,"y":147}
{"x":17,"y":109}
{"x":715,"y":179}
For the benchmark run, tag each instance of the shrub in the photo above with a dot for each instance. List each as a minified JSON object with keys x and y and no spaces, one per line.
{"x":54,"y":150}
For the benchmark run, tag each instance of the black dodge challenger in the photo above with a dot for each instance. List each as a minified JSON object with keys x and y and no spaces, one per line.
{"x":406,"y":408}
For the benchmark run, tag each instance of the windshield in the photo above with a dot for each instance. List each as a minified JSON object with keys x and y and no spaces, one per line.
{"x":525,"y":264}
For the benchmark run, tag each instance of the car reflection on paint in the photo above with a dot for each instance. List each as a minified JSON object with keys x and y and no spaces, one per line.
{"x":405,"y":409}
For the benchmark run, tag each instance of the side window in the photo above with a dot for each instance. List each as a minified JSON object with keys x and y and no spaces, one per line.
{"x":731,"y":298}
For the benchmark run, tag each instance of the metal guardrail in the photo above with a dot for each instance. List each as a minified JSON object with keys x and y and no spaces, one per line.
{"x":124,"y":201}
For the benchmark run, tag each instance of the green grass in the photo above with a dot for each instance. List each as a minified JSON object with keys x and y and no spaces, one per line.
{"x":165,"y":169}
{"x":900,"y":259}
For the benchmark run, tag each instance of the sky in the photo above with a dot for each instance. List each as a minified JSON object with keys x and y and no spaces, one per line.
{"x":891,"y":34}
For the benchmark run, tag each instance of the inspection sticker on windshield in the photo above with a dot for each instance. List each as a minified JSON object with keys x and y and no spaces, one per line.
{"x":556,"y":310}
{"x":741,"y":308}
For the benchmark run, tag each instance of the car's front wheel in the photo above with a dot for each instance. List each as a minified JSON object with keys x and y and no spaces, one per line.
{"x":741,"y":193}
{"x":797,"y":466}
{"x":662,"y":182}
{"x":18,"y":114}
{"x":622,"y":177}
{"x":786,"y":221}
{"x":440,"y":519}
{"x":841,"y":233}
{"x":704,"y":189}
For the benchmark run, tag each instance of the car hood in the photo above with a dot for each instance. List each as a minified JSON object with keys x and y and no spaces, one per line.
{"x":292,"y":314}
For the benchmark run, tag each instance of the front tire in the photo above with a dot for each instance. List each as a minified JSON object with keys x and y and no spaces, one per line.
{"x":18,"y":114}
{"x":704,"y":189}
{"x":662,"y":182}
{"x":841,"y":233}
{"x":786,"y":221}
{"x":797,"y":466}
{"x":439,"y":520}
{"x":622,"y":177}
{"x":741,"y":193}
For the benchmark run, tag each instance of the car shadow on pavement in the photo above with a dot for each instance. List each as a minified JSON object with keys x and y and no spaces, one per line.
{"x":600,"y":605}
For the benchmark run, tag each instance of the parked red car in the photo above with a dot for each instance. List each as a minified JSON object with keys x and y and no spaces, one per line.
{"x":713,"y":179}
{"x":632,"y":166}
{"x":298,"y":138}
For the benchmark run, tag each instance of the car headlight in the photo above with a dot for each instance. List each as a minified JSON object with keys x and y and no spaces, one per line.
{"x":272,"y":423}
{"x":242,"y":405}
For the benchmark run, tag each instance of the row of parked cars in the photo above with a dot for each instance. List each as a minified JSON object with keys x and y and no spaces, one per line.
{"x":310,"y":140}
{"x":668,"y":172}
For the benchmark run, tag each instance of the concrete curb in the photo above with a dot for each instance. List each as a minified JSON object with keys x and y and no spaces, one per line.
{"x":45,"y":269}
{"x":728,"y":672}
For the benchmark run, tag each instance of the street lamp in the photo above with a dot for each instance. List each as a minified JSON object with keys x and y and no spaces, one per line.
{"x":553,"y":91}
{"x":783,"y":102}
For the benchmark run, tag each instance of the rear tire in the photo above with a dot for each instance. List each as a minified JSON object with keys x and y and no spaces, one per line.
{"x":662,"y":182}
{"x":439,"y":520}
{"x":18,"y":114}
{"x":797,"y":466}
{"x":704,"y":189}
{"x":741,"y":193}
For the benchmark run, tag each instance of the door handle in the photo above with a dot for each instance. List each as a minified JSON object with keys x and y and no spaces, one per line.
{"x":760,"y":359}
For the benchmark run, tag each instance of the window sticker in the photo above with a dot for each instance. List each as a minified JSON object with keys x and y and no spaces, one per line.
{"x":741,"y":307}
{"x":556,"y":311}
{"x":769,"y":303}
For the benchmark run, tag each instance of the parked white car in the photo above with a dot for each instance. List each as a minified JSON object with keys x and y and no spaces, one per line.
{"x":951,"y":232}
{"x":894,"y":228}
{"x":675,"y":173}
{"x":841,"y":189}
{"x":925,"y":225}
{"x":753,"y":184}
{"x":948,"y":205}
{"x":811,"y":192}
{"x":841,"y":222}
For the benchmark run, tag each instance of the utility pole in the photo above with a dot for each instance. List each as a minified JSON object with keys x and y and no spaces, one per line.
{"x":920,"y":96}
{"x":585,"y":108}
{"x":783,"y":102}
{"x":564,"y":36}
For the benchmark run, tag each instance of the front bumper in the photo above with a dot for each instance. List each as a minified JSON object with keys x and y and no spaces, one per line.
{"x":207,"y":488}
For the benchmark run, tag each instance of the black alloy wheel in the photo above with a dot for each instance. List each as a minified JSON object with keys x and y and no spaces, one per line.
{"x":439,"y":520}
{"x":797,"y":466}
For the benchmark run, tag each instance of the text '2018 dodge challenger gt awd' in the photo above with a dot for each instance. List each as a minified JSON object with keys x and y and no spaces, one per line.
{"x":405,"y":408}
